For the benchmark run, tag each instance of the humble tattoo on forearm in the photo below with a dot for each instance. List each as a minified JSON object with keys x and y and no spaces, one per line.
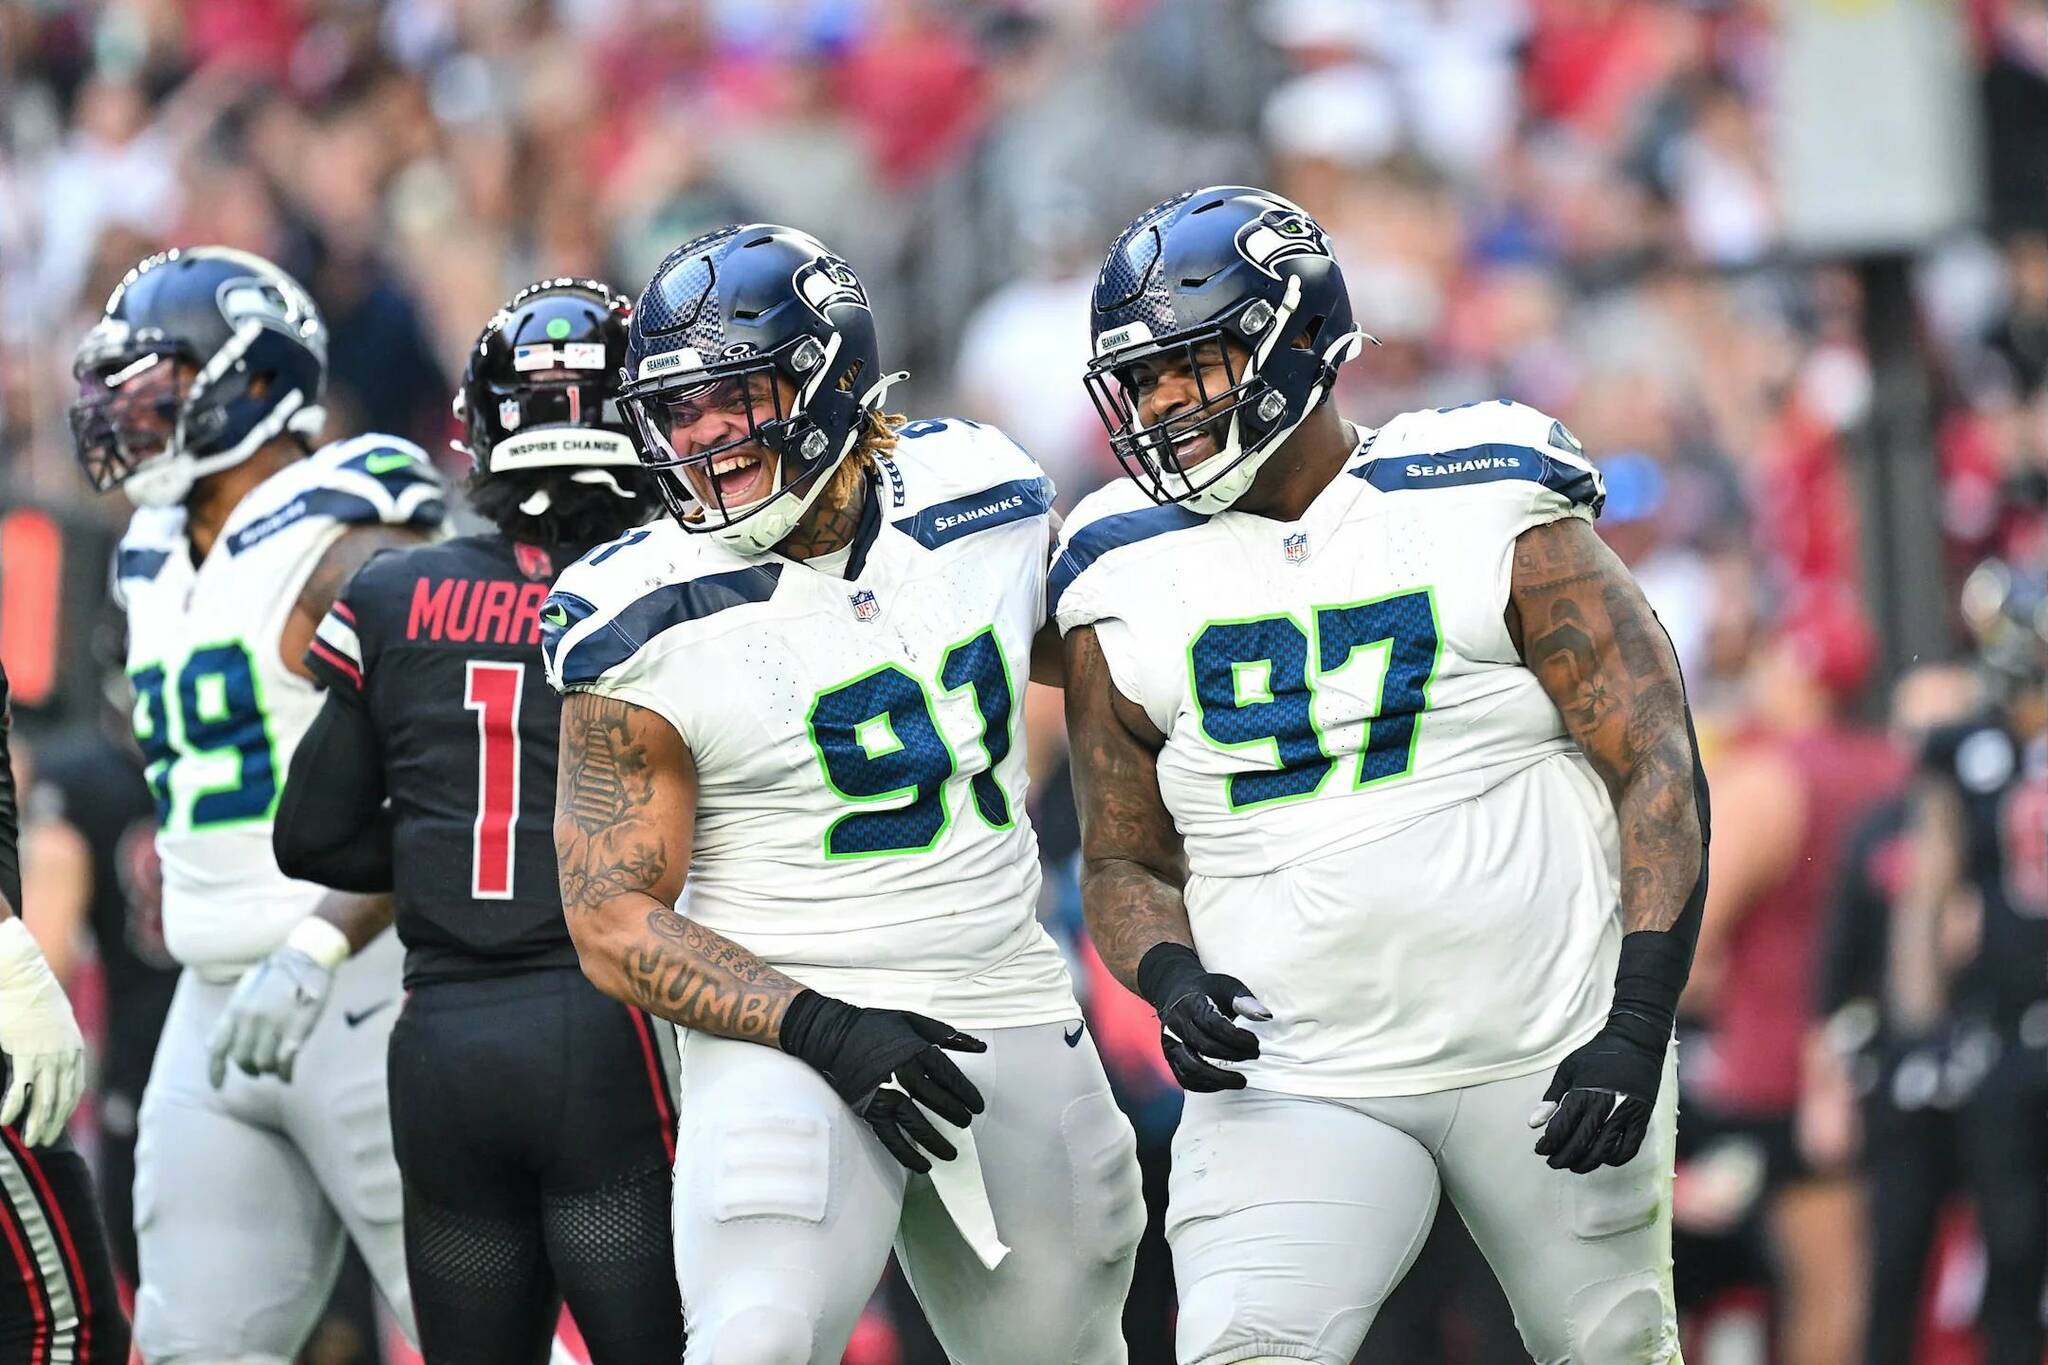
{"x":621,"y":859}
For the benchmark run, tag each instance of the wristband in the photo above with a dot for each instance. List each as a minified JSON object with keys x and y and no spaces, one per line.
{"x":320,"y":940}
{"x":1647,"y":983}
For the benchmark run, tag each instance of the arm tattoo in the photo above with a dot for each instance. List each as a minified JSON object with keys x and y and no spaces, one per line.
{"x":1132,"y":866}
{"x":607,"y":841}
{"x":608,"y":780}
{"x":1598,"y":650}
{"x":685,"y":972}
{"x":622,"y":845}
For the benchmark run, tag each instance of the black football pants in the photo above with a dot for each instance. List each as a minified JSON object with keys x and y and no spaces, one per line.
{"x":534,"y":1126}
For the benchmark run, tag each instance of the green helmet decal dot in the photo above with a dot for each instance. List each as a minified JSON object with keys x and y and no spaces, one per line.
{"x":557,"y":328}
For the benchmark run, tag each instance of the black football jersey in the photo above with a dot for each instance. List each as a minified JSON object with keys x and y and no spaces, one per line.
{"x":441,"y":644}
{"x":2004,"y":790}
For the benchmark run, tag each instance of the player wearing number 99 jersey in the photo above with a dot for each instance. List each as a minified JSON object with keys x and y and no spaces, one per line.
{"x":805,"y":688}
{"x":199,"y":391}
{"x":1367,"y":725}
{"x":532,"y":1115}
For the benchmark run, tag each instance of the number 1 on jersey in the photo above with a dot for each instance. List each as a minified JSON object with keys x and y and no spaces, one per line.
{"x":492,"y":690}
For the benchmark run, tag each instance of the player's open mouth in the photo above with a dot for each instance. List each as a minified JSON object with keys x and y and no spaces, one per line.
{"x":741,"y":477}
{"x":1193,"y":448}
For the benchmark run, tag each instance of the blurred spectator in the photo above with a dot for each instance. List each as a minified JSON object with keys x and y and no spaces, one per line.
{"x":1786,"y":793}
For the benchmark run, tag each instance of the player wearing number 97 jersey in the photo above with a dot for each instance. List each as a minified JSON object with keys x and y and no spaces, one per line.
{"x":532,"y":1115}
{"x":806,"y":688}
{"x":1367,"y":725}
{"x":199,"y":393}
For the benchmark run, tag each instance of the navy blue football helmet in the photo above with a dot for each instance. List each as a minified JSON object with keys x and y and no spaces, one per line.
{"x":255,"y":341}
{"x":1230,"y":270}
{"x":766,"y":324}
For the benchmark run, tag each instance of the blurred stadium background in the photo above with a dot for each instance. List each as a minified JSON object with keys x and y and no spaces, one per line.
{"x":1781,"y":264}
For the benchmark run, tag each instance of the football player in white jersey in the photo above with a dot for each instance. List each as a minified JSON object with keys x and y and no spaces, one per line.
{"x":1389,"y":808}
{"x":803,"y":689}
{"x":199,"y":394}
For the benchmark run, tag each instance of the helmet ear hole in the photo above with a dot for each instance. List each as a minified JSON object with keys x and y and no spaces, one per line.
{"x":852,"y":376}
{"x":1306,"y":338}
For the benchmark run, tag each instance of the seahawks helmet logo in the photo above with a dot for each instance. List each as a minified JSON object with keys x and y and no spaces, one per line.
{"x":277,"y":303}
{"x":827,"y":281}
{"x":1280,"y":233}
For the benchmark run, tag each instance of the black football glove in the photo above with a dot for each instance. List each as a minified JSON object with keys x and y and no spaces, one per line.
{"x":860,"y":1050}
{"x":1195,"y":1008}
{"x":1597,"y":1109}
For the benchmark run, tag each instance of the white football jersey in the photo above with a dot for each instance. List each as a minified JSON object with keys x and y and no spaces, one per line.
{"x":217,"y":713}
{"x":1390,"y":836}
{"x":858,"y":738}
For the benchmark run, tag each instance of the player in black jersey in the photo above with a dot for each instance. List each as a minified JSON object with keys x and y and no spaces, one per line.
{"x":57,"y":1295}
{"x":1979,"y":1013}
{"x":532,"y":1115}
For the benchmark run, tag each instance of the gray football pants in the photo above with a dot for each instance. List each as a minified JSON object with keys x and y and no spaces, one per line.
{"x":787,"y":1205}
{"x":243,"y":1194}
{"x":1291,"y":1219}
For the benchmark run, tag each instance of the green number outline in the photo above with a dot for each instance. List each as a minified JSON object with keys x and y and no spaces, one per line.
{"x":952,"y":770}
{"x":1202,"y":722}
{"x":1360,"y":781}
{"x":1014,"y":720}
{"x":181,"y":805}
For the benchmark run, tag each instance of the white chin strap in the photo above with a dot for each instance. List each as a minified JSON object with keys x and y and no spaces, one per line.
{"x":765,"y":529}
{"x":167,"y":480}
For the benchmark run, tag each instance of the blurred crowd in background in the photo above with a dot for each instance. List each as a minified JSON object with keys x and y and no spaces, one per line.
{"x":1567,"y":202}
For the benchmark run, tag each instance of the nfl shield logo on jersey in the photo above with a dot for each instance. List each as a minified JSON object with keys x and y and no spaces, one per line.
{"x":1295,"y":547}
{"x":865,"y":608}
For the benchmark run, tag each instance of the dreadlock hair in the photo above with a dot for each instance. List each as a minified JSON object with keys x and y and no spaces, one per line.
{"x":880,"y":433}
{"x":577,"y":515}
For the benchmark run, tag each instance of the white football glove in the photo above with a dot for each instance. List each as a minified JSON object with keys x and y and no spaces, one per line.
{"x":276,"y":1004}
{"x":45,"y":1054}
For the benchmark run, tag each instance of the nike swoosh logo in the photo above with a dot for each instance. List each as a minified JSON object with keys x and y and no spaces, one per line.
{"x":354,"y":1017}
{"x":555,"y":616}
{"x":383,"y":462}
{"x":1073,"y":1036}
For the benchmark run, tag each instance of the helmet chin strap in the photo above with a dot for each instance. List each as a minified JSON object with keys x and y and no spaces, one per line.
{"x":166,"y":480}
{"x":1228,"y":487}
{"x":765,"y":529}
{"x":1233,"y":485}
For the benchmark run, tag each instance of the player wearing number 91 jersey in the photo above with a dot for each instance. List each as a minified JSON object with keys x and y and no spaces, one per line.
{"x":1366,"y":726}
{"x":806,"y":687}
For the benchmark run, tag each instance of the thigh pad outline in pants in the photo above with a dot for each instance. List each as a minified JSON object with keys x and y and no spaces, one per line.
{"x":1584,"y":1259}
{"x":1291,"y":1220}
{"x":237,"y":1244}
{"x":785,"y":1208}
{"x":1059,"y":1162}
